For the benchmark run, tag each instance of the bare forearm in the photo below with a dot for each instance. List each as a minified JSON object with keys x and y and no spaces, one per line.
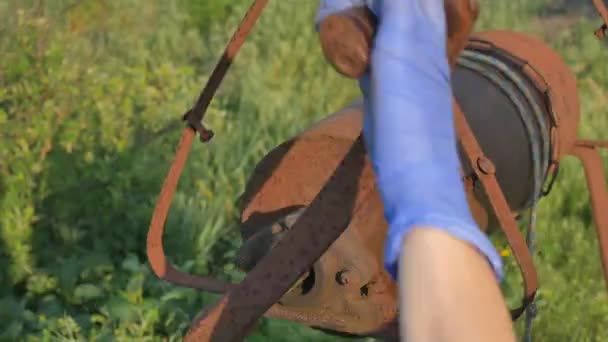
{"x":448,"y":292}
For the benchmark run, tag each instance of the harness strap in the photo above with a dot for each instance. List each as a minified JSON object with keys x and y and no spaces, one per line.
{"x":485,"y":171}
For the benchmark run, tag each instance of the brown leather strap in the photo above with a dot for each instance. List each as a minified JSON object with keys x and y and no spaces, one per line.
{"x":156,"y":255}
{"x":485,"y":172}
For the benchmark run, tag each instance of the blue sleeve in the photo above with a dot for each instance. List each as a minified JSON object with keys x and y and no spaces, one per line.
{"x":409,"y":127}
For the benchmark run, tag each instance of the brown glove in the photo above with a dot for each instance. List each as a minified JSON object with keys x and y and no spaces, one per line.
{"x":346,"y":37}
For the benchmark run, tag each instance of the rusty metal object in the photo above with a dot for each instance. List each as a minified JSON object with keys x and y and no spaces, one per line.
{"x":156,"y":254}
{"x":312,"y":220}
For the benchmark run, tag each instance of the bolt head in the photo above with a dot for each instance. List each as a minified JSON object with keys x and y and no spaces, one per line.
{"x":486,"y":166}
{"x":342,"y":278}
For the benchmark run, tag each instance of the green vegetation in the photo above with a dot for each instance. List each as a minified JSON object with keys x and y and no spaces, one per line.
{"x":85,"y":89}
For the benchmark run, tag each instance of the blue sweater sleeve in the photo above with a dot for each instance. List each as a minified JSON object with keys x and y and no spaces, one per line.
{"x":409,"y":128}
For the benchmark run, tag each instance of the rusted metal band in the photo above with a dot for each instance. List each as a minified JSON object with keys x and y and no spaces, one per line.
{"x":156,"y":255}
{"x":195,"y":115}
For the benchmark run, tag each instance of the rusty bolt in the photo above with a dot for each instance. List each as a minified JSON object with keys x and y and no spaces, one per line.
{"x":486,"y":166}
{"x":342,"y":277}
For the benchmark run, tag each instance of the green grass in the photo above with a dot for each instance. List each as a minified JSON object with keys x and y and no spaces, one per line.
{"x":81,"y":86}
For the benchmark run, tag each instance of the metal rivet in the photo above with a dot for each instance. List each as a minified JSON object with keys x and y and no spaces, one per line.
{"x":342,"y":277}
{"x":486,"y":166}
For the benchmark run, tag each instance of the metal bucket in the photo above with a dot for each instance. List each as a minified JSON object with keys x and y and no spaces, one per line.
{"x":511,"y":122}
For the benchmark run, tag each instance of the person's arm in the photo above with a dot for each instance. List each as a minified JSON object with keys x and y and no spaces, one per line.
{"x":447,"y":292}
{"x":447,"y":268}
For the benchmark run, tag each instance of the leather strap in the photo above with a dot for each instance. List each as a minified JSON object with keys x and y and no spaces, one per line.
{"x":485,"y":171}
{"x":156,"y":254}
